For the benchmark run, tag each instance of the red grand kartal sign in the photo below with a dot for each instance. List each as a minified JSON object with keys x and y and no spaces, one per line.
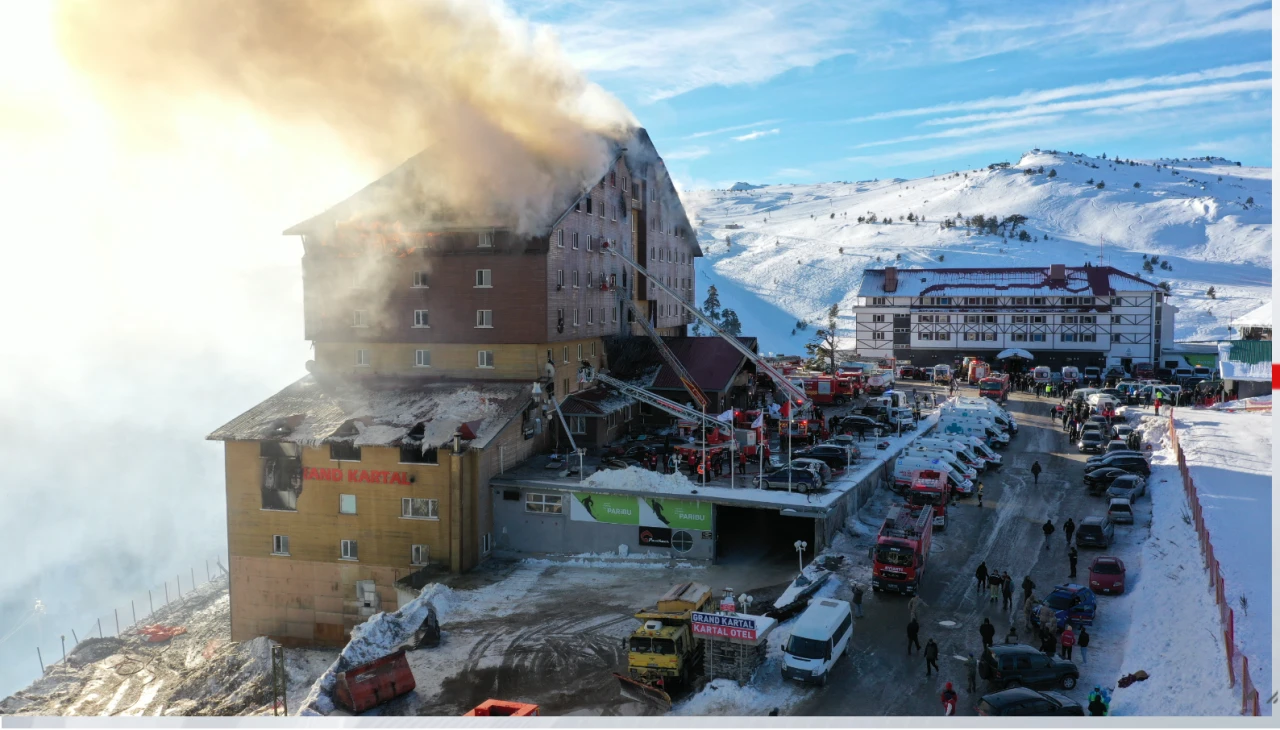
{"x":724,"y":627}
{"x":355,"y":476}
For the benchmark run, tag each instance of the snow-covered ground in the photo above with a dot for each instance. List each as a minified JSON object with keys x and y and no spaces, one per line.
{"x":800,"y":248}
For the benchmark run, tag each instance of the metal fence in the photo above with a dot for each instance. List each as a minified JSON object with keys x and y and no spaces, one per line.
{"x":1237,"y":663}
{"x":130,"y":618}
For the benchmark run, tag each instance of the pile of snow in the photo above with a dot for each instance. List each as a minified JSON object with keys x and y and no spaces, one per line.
{"x":1259,"y":403}
{"x":800,"y":247}
{"x":379,"y":636}
{"x":812,"y":574}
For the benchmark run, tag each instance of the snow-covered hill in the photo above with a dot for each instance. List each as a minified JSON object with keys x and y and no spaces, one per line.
{"x":793,"y":250}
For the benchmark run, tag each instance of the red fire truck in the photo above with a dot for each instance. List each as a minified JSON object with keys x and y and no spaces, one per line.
{"x":826,"y":390}
{"x":977,"y":371}
{"x":930,"y":489}
{"x":901,"y":552}
{"x":995,"y":387}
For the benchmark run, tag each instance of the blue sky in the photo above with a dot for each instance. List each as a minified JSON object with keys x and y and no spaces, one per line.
{"x":813,"y":90}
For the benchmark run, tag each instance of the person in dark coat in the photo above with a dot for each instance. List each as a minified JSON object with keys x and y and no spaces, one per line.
{"x":1028,"y":586}
{"x":1096,"y":707}
{"x":971,"y":673}
{"x":1072,"y":556}
{"x":1065,"y":419}
{"x":1069,"y":529}
{"x":1050,"y":645}
{"x":1035,"y":472}
{"x":1082,"y":641}
{"x":981,"y":575}
{"x":913,"y":635}
{"x":1006,"y":586}
{"x":857,"y":599}
{"x":930,"y":658}
{"x":1048,"y":530}
{"x":988,"y":632}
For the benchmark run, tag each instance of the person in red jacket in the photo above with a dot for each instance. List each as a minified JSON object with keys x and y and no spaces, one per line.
{"x":949,"y":700}
{"x":1068,"y":640}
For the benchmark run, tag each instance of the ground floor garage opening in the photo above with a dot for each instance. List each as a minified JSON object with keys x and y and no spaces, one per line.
{"x":755,"y":536}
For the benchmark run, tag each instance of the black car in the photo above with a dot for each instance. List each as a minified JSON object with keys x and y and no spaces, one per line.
{"x":849,"y":424}
{"x":836,"y":457}
{"x":1130,"y":462}
{"x":1098,"y":481}
{"x":1021,"y":701}
{"x":1095,"y":532}
{"x":1090,"y":441}
{"x":801,"y":480}
{"x":1164,"y":375}
{"x":1015,"y":665}
{"x":1103,"y":457}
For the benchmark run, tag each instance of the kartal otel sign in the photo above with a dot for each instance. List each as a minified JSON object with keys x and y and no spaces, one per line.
{"x":730,"y":626}
{"x":355,"y":476}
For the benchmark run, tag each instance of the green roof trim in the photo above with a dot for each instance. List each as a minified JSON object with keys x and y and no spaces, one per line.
{"x":1251,"y":352}
{"x":1195,"y":359}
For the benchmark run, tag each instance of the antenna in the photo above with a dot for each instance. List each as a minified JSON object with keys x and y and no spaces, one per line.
{"x":1102,"y":247}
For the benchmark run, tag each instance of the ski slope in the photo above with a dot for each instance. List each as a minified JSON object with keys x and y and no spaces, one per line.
{"x":793,"y":250}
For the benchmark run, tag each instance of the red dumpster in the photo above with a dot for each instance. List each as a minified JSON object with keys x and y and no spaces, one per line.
{"x":500,"y":708}
{"x":364,"y":687}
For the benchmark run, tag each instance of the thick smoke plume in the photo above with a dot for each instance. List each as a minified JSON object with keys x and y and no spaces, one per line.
{"x":507,"y":124}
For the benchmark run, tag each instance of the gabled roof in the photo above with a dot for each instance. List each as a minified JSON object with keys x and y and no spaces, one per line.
{"x":377,"y":412}
{"x":598,"y":401}
{"x":1098,"y":281}
{"x":711,"y":362}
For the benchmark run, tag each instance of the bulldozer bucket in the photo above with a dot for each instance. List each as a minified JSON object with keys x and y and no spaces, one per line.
{"x":641,"y":692}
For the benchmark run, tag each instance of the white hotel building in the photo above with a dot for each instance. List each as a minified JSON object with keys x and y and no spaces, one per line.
{"x":1064,"y":315}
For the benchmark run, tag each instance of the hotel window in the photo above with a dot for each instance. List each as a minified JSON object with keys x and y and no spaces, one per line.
{"x":577,"y":425}
{"x":419,"y":554}
{"x":419,"y":280}
{"x":877,"y":335}
{"x":971,"y":301}
{"x":422,"y":358}
{"x":279,"y":544}
{"x":484,"y":317}
{"x":344,"y":451}
{"x":349,"y":551}
{"x":926,"y":318}
{"x":926,"y":335}
{"x":988,"y":336}
{"x":1115,"y":338}
{"x":613,"y":212}
{"x":1068,"y":337}
{"x":589,"y":242}
{"x":614,"y":316}
{"x":575,"y":279}
{"x":942,"y":336}
{"x":559,"y":278}
{"x":944,"y":300}
{"x":575,"y":235}
{"x":1037,"y":337}
{"x":346,"y":504}
{"x":879,"y":301}
{"x":1019,"y":301}
{"x":360,"y":318}
{"x":971,"y":319}
{"x":417,"y":455}
{"x":1086,"y":301}
{"x":942,"y":318}
{"x":1089,"y":319}
{"x":575,"y":318}
{"x":588,"y":201}
{"x":1068,"y":320}
{"x":591,"y":319}
{"x":989,"y":318}
{"x":552,"y":504}
{"x":419,"y":509}
{"x":486,"y":543}
{"x":560,"y":238}
{"x":484,"y":278}
{"x":970,"y":336}
{"x":486,"y":239}
{"x":1037,"y":301}
{"x":564,"y":354}
{"x":593,"y":345}
{"x":420,"y":318}
{"x":877,"y":318}
{"x":1088,"y":337}
{"x":988,"y":300}
{"x":1115,"y":319}
{"x":1019,"y":319}
{"x":579,"y":353}
{"x":1068,"y":301}
{"x":362,"y":358}
{"x":1038,"y":319}
{"x":484,"y":359}
{"x":1018,"y":337}
{"x":590,"y":278}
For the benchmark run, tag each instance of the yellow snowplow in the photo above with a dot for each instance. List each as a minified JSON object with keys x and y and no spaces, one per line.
{"x":663,"y":653}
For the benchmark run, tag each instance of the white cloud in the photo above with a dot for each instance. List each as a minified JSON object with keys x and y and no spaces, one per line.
{"x":734,"y":128}
{"x":964,"y":131}
{"x":688,"y":153}
{"x":756,"y":134}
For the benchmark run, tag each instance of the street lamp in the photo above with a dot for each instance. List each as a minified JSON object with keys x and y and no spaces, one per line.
{"x":581,"y":453}
{"x":800,"y":546}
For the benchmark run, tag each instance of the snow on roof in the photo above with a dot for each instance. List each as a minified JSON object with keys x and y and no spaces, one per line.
{"x":1100,"y":281}
{"x":375,"y":412}
{"x":1260,"y":317}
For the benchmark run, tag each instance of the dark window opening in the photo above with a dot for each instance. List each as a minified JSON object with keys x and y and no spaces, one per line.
{"x":344,"y":451}
{"x":416,"y":455}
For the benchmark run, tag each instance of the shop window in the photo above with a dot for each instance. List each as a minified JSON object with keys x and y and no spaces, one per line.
{"x":543,"y":503}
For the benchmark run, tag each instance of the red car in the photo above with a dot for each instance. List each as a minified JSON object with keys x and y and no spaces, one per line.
{"x":1106,"y":575}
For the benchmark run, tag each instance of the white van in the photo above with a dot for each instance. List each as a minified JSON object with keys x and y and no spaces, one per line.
{"x":1070,"y":374}
{"x":981,"y":449}
{"x":948,"y":456}
{"x":822,"y":634}
{"x":1004,"y":419}
{"x":972,"y":423}
{"x":1040,"y":374}
{"x":958,"y":446}
{"x":906,"y":468}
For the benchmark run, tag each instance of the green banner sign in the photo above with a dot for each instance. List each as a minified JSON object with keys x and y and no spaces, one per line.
{"x":680,"y":514}
{"x":613,"y":509}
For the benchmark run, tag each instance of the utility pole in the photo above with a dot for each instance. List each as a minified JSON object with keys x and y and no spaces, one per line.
{"x":279,"y":682}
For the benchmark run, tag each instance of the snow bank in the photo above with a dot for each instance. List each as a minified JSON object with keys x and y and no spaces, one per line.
{"x":373,"y":639}
{"x":1259,"y":403}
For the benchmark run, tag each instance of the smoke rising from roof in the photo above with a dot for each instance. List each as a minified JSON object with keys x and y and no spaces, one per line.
{"x":508,"y":125}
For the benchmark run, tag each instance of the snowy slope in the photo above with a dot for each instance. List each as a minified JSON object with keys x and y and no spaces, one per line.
{"x":791,"y":259}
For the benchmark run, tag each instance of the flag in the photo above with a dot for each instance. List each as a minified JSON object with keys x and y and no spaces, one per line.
{"x":786,"y":409}
{"x":759,"y":422}
{"x":726,"y":417}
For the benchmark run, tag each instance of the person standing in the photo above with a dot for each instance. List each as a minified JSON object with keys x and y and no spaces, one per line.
{"x":1028,"y":586}
{"x":1050,"y":644}
{"x":857,"y":599}
{"x":1082,"y":641}
{"x":1048,"y":530}
{"x":913,"y":635}
{"x":994,"y":582}
{"x":1029,"y":610}
{"x":1006,"y":585}
{"x":1035,"y":473}
{"x":981,"y":575}
{"x":1072,"y":556}
{"x":1068,"y":641}
{"x":988,"y":633}
{"x":949,"y":700}
{"x":1096,"y":707}
{"x":971,"y":673}
{"x":1012,"y":636}
{"x":1048,"y":619}
{"x":979,"y":494}
{"x":1066,"y":419}
{"x":931,"y":658}
{"x":913,"y":605}
{"x":1068,"y":528}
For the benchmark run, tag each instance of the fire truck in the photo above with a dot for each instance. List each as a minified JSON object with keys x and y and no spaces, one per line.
{"x":901,"y":552}
{"x":826,"y":390}
{"x":930,"y":489}
{"x":995,"y":387}
{"x":978,"y":370}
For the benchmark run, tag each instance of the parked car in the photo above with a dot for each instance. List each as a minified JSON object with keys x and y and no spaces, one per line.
{"x":1133,"y":463}
{"x":1129,"y":486}
{"x":1090,"y":441}
{"x":816,"y":466}
{"x":837,"y":457}
{"x":1092,"y":375}
{"x":1115,"y":445}
{"x":1098,"y":481}
{"x":1098,"y":459}
{"x":1095,"y":532}
{"x":802,"y":480}
{"x":1012,"y":665}
{"x":849,"y":424}
{"x":1106,"y":575}
{"x":1023,"y":702}
{"x":1123,"y":431}
{"x":1164,"y":375}
{"x":1072,"y":603}
{"x":1120,"y":511}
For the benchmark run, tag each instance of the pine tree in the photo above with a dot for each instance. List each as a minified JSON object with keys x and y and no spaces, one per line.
{"x":711,"y":306}
{"x":824,"y":339}
{"x":1147,"y":267}
{"x":1212,"y":293}
{"x":1101,"y":184}
{"x":1249,"y":200}
{"x":1053,"y":173}
{"x":1137,"y":185}
{"x":729,"y":322}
